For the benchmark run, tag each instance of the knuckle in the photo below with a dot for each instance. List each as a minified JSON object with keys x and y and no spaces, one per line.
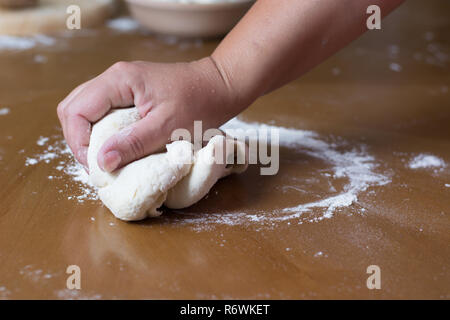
{"x":121,"y":66}
{"x":68,"y":113}
{"x":60,"y":110}
{"x":135,"y":145}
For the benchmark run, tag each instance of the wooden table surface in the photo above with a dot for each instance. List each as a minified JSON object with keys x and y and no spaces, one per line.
{"x":387,"y":94}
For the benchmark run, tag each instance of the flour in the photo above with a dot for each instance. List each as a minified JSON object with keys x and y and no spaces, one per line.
{"x":357,"y":167}
{"x":4,"y":292}
{"x":395,"y":67}
{"x":393,"y":51}
{"x":59,"y":152}
{"x":24,"y":43}
{"x":35,"y":275}
{"x":425,"y":161}
{"x":39,"y":58}
{"x":42,"y":141}
{"x":70,"y":294}
{"x":435,"y":55}
{"x":123,"y":24}
{"x":4,"y":111}
{"x":320,"y":254}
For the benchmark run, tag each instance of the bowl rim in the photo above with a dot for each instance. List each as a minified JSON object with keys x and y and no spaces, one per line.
{"x":173,"y":5}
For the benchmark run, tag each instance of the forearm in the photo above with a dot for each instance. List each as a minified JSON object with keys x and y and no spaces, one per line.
{"x":278,"y":41}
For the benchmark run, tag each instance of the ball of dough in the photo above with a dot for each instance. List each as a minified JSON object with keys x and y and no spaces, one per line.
{"x":177,"y":178}
{"x":137,"y":190}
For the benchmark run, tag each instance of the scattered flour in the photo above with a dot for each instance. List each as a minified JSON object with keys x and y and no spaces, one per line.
{"x":336,"y":71}
{"x":35,"y":275}
{"x":357,"y":167}
{"x":123,"y":24}
{"x":447,"y":185}
{"x":4,"y":292}
{"x":320,"y":254}
{"x":395,"y":67}
{"x":24,"y":43}
{"x":393,"y":51}
{"x":42,"y":141}
{"x":434,"y":54}
{"x":39,"y":58}
{"x":30,"y":162}
{"x":68,"y":294}
{"x":59,"y":152}
{"x":424,"y":161}
{"x":4,"y":111}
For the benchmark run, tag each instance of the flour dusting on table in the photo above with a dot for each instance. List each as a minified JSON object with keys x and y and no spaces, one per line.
{"x":357,"y":167}
{"x":60,"y":156}
{"x":424,"y":161}
{"x":24,"y":43}
{"x":123,"y":24}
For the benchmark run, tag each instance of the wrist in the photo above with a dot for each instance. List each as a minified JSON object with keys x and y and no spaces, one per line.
{"x":220,"y":84}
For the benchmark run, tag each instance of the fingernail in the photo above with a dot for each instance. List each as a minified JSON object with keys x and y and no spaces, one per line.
{"x":111,"y":161}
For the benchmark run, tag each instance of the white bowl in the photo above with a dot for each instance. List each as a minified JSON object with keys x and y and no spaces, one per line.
{"x":189,"y":19}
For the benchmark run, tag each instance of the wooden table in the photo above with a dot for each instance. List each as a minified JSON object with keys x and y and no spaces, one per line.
{"x":386,"y":94}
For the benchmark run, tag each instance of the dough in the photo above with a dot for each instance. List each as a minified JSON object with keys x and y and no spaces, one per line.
{"x":50,"y":16}
{"x":206,"y":171}
{"x":177,"y":178}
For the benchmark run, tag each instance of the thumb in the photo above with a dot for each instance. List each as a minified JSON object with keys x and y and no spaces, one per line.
{"x":134,"y":142}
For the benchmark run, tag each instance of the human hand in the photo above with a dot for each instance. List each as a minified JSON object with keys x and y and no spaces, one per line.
{"x":167,"y":96}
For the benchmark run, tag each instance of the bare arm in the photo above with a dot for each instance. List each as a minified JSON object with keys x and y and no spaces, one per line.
{"x":276,"y":42}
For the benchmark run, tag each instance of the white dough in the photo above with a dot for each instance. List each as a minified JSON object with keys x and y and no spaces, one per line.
{"x":206,"y":171}
{"x":176,"y":178}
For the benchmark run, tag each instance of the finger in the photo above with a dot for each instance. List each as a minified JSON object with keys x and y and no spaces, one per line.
{"x":100,"y":96}
{"x":66,"y":101}
{"x":74,"y":92}
{"x":78,"y":132}
{"x":77,"y":144}
{"x":146,"y":136}
{"x":89,"y":104}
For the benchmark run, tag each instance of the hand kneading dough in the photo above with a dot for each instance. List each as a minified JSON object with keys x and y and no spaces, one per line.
{"x":177,"y":178}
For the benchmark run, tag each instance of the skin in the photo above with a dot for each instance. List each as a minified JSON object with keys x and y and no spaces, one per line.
{"x":275,"y":43}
